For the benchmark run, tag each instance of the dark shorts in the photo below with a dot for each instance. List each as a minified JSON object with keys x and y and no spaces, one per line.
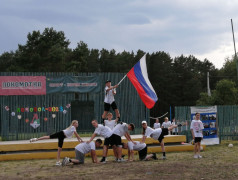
{"x":143,"y":153}
{"x":197,"y":139}
{"x":107,"y":106}
{"x":60,"y":135}
{"x":79,"y":156}
{"x":108,"y":141}
{"x":164,"y":132}
{"x":116,"y":140}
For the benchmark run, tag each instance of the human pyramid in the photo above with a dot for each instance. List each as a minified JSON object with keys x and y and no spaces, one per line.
{"x":111,"y":131}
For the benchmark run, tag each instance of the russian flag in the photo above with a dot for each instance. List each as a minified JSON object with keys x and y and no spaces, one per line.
{"x":139,"y":78}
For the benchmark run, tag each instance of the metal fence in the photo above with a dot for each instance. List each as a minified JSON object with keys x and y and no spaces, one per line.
{"x":84,"y":107}
{"x":227,"y":118}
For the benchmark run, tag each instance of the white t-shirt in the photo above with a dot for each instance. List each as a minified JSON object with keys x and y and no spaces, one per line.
{"x":86,"y":147}
{"x":156,"y":125}
{"x":111,"y":124}
{"x":197,"y":127}
{"x":103,"y":131}
{"x":166,"y":124}
{"x":154,"y":133}
{"x":137,"y":147}
{"x":120,"y":129}
{"x":109,"y":96}
{"x":174,"y":129}
{"x":69,"y":132}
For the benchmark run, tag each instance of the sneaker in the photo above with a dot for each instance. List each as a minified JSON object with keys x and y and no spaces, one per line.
{"x":121,"y":160}
{"x":154,"y":156}
{"x":163,"y":157}
{"x":58,"y":163}
{"x":33,"y":140}
{"x":103,"y":160}
{"x":115,"y":159}
{"x":65,"y":161}
{"x":199,"y":156}
{"x":195,"y":156}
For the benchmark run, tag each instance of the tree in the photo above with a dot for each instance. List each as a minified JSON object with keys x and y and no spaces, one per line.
{"x":44,"y":52}
{"x":225,"y":93}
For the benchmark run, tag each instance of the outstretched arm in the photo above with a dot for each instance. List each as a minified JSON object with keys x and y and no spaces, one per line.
{"x":143,"y":139}
{"x":78,"y":137}
{"x":93,"y":136}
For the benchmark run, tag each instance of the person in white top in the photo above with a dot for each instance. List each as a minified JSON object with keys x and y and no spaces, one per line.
{"x":166,"y":123}
{"x":141,"y":148}
{"x":67,"y":133}
{"x":119,"y":131}
{"x":109,"y":101}
{"x":175,"y":130}
{"x":109,"y":122}
{"x":156,"y":124}
{"x":196,"y":128}
{"x":105,"y":132}
{"x":157,"y":134}
{"x":81,"y":150}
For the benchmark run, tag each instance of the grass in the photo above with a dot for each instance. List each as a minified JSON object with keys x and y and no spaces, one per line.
{"x":218,"y":162}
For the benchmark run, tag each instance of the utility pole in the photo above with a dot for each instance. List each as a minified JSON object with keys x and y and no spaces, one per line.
{"x":235,"y":58}
{"x":208,"y":85}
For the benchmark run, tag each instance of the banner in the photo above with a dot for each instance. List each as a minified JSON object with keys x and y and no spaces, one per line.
{"x":209,"y":120}
{"x":22,"y":85}
{"x":73,"y":84}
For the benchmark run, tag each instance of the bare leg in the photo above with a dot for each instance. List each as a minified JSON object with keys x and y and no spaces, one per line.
{"x":162,"y":146}
{"x":43,"y":137}
{"x":115,"y":151}
{"x":75,"y":161}
{"x":104,"y":114}
{"x":149,"y":156}
{"x":58,"y":154}
{"x":119,"y":152}
{"x":117,"y":113}
{"x":195,"y":148}
{"x":105,"y":150}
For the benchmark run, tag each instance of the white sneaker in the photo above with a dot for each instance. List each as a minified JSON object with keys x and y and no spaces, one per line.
{"x":121,"y":160}
{"x":65,"y":161}
{"x":58,"y":163}
{"x":163,"y":157}
{"x":33,"y":140}
{"x":195,"y":156}
{"x":199,"y":156}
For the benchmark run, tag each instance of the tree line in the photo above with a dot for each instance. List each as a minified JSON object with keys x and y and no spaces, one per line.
{"x":179,"y":81}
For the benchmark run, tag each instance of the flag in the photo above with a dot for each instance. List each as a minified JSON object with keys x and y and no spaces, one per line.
{"x":139,"y":78}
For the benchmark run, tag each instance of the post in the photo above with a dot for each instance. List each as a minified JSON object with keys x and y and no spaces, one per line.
{"x":235,"y":58}
{"x":208,"y":85}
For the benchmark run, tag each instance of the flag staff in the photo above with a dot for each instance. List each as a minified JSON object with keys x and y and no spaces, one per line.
{"x":126,"y":75}
{"x":234,"y":48}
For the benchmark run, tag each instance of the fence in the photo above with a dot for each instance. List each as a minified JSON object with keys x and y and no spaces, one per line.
{"x":84,"y":107}
{"x":227,"y":118}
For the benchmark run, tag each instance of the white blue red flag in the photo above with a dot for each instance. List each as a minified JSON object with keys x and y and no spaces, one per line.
{"x":139,"y":78}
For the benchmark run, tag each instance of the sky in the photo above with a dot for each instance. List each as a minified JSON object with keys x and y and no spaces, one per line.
{"x":201,"y":28}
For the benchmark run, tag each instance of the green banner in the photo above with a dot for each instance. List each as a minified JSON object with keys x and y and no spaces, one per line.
{"x":82,"y":84}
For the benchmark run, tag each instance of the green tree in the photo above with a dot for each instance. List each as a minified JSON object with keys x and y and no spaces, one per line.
{"x":43,"y":52}
{"x":225,"y":93}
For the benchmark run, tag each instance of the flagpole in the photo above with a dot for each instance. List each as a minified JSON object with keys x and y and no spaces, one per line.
{"x":126,"y":74}
{"x":121,"y":80}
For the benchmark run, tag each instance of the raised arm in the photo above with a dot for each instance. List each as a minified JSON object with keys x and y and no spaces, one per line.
{"x":112,"y":87}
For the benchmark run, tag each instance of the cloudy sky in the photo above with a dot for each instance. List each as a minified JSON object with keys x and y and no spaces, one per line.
{"x":198,"y":27}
